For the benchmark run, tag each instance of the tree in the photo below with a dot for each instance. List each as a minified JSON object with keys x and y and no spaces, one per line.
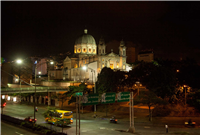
{"x":74,"y":89}
{"x":149,"y":98}
{"x":110,"y":81}
{"x":61,"y":97}
{"x":157,"y":78}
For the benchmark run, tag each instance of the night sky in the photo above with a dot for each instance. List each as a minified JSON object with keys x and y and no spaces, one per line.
{"x":171,"y":29}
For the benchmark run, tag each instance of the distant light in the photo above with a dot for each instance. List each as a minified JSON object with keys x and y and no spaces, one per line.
{"x":19,"y":61}
{"x":177,"y":70}
{"x":51,"y":62}
{"x":8,"y":97}
{"x":14,"y":99}
{"x":3,"y":96}
{"x":39,"y":76}
{"x":39,"y":72}
{"x":84,"y":67}
{"x":35,"y":62}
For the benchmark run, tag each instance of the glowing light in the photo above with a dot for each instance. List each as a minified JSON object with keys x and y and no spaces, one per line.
{"x":39,"y":72}
{"x":51,"y":62}
{"x":14,"y":99}
{"x":84,"y":67}
{"x":19,"y":61}
{"x":8,"y":97}
{"x":3,"y":96}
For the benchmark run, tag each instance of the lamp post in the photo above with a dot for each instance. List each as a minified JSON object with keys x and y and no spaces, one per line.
{"x":19,"y":61}
{"x":84,"y":67}
{"x":36,"y":80}
{"x":185,"y":86}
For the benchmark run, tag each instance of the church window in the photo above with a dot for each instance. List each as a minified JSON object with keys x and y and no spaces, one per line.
{"x":123,"y":52}
{"x":75,"y":66}
{"x":84,"y":50}
{"x":79,"y":50}
{"x":94,"y":51}
{"x":111,"y":66}
{"x":117,"y":65}
{"x":102,"y":59}
{"x":124,"y":66}
{"x":90,"y":50}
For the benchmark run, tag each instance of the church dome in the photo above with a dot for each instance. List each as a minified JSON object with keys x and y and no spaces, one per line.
{"x":85,"y":39}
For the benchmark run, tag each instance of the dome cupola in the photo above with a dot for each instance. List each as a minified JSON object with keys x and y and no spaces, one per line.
{"x":85,"y":44}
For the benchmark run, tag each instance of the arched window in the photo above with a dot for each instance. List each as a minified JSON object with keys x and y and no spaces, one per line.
{"x":75,"y":66}
{"x":94,"y":50}
{"x":124,"y":66}
{"x":84,"y":50}
{"x":117,"y":65}
{"x":90,"y":50}
{"x":79,"y":50}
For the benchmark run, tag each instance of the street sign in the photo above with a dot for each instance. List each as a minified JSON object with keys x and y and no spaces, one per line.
{"x":108,"y":98}
{"x":79,"y":94}
{"x":123,"y":96}
{"x":90,"y":99}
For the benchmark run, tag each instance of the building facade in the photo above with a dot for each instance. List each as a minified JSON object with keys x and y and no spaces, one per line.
{"x":94,"y":57}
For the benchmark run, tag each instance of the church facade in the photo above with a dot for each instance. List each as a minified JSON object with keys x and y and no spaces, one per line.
{"x":94,"y":58}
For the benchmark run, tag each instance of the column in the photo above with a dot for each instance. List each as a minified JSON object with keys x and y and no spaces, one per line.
{"x":49,"y":98}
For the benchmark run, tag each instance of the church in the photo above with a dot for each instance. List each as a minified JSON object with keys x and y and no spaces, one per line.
{"x":89,"y":59}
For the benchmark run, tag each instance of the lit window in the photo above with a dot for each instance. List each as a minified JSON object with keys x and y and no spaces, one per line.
{"x":117,"y":65}
{"x":3,"y":96}
{"x":102,"y":65}
{"x":84,"y":50}
{"x":124,"y":67}
{"x":75,"y":66}
{"x":111,"y":66}
{"x":14,"y":99}
{"x":79,"y":50}
{"x":94,"y":51}
{"x":102,"y":59}
{"x":90,"y":50}
{"x":8,"y":97}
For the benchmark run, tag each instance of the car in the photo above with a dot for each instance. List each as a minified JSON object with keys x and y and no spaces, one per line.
{"x":3,"y":105}
{"x":30,"y":119}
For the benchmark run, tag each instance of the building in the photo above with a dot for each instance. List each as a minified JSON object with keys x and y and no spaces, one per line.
{"x":146,"y":56}
{"x":94,"y":57}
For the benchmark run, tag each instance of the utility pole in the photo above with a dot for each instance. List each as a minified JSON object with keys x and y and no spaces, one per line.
{"x":131,"y":128}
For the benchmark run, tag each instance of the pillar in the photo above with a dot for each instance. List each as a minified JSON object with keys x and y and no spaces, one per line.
{"x":49,"y":98}
{"x":40,"y":100}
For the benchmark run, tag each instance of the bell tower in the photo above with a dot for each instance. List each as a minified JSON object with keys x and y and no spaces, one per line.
{"x":122,"y":48}
{"x":101,"y":47}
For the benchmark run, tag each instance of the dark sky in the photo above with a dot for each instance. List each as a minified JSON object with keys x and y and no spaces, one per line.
{"x":171,"y":29}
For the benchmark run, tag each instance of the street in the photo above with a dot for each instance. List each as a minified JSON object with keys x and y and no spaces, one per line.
{"x":7,"y":129}
{"x":98,"y":126}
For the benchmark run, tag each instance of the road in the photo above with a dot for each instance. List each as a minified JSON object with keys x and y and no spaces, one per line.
{"x":7,"y":129}
{"x":91,"y":126}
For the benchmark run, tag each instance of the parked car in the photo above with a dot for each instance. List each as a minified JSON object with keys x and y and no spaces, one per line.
{"x":2,"y":104}
{"x":30,"y":119}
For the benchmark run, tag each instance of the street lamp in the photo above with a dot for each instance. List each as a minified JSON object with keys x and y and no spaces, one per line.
{"x":185,"y":87}
{"x":19,"y":61}
{"x":35,"y":81}
{"x":92,"y":70}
